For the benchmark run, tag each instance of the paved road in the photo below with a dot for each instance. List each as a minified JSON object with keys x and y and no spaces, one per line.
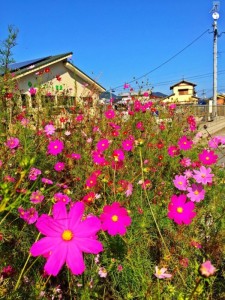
{"x":221,"y":151}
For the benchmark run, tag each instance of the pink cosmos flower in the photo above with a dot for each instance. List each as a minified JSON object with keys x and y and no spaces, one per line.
{"x":126,"y":86}
{"x":67,"y":236}
{"x":128,"y":145}
{"x":102,"y":145}
{"x":110,"y":114}
{"x":114,"y":126}
{"x":203,"y":175}
{"x":102,"y":272}
{"x":160,"y":273}
{"x":34,"y":173}
{"x":192,"y":123}
{"x":140,"y":126}
{"x":185,"y":143}
{"x":32,"y":91}
{"x":79,"y":118}
{"x":75,"y":156}
{"x":118,"y":155}
{"x":185,"y":162}
{"x":129,"y":190}
{"x":49,"y":129}
{"x":181,"y":211}
{"x":196,"y":192}
{"x":60,"y":197}
{"x":55,"y":147}
{"x":46,"y":181}
{"x":98,"y":157}
{"x":59,"y":166}
{"x":12,"y":142}
{"x":36,"y":197}
{"x":208,"y":157}
{"x":30,"y":215}
{"x":195,"y":244}
{"x":173,"y":151}
{"x":214,"y":142}
{"x":188,"y":173}
{"x":207,"y":269}
{"x":180,"y":182}
{"x":115,"y":219}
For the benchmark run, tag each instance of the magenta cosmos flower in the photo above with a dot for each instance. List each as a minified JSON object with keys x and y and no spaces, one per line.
{"x":110,"y":114}
{"x":181,"y":211}
{"x":59,"y":166}
{"x":12,"y":142}
{"x":185,"y":143}
{"x":102,"y":145}
{"x":55,"y":147}
{"x":115,"y":219}
{"x":208,"y":157}
{"x":67,"y":237}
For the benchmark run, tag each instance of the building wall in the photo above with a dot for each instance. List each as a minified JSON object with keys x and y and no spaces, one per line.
{"x":182,"y":93}
{"x":70,"y":84}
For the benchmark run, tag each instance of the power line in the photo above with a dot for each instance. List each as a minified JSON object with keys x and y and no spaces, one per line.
{"x":165,"y":62}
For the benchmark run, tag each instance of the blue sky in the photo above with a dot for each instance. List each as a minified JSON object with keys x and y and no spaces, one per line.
{"x":115,"y":41}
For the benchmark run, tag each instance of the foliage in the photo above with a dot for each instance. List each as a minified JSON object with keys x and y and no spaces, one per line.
{"x":131,"y":157}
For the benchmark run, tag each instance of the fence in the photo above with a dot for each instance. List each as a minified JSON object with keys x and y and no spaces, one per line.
{"x":203,"y":111}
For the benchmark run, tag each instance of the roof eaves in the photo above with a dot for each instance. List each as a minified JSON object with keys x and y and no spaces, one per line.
{"x":43,"y":63}
{"x":70,"y":66}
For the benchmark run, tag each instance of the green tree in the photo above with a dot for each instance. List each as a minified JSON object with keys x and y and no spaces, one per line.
{"x":6,"y":81}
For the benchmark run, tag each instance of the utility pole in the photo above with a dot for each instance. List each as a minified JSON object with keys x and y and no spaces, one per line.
{"x":215,"y":16}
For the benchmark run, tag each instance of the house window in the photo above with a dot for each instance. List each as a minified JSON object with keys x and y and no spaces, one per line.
{"x":183,"y":92}
{"x":47,"y":101}
{"x":65,"y":100}
{"x":24,"y":100}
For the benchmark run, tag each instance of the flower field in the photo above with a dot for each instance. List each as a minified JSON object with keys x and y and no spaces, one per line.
{"x":114,"y":206}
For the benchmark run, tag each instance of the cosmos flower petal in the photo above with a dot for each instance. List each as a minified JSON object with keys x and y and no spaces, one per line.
{"x":74,"y":259}
{"x":88,"y":227}
{"x":43,"y":246}
{"x":59,"y":210}
{"x":48,"y":226}
{"x":75,"y":214}
{"x":56,"y":260}
{"x":90,"y":245}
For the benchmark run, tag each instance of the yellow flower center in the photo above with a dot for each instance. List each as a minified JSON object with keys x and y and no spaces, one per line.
{"x":207,"y":158}
{"x":196,"y":192}
{"x":180,"y":210}
{"x":67,"y":235}
{"x":115,"y":218}
{"x":180,"y":182}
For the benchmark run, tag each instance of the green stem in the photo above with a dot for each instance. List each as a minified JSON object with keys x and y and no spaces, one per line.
{"x":195,"y":288}
{"x":24,"y":267}
{"x":155,"y":221}
{"x":159,"y":295}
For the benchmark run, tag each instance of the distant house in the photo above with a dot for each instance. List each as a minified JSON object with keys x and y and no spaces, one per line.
{"x":183,"y":93}
{"x":57,"y":82}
